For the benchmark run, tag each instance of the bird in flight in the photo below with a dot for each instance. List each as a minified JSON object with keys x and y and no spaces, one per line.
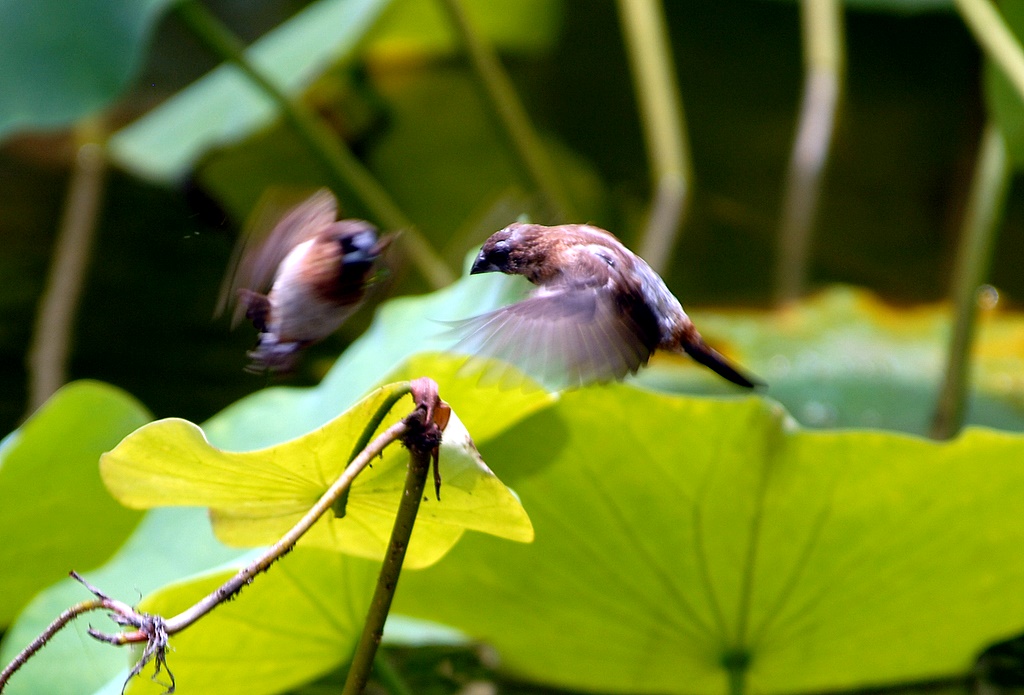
{"x":598,"y":313}
{"x":300,"y":283}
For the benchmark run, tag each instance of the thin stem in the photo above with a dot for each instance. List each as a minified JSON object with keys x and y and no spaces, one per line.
{"x":368,"y":431}
{"x":824,"y":60}
{"x":340,"y":165}
{"x":52,"y":335}
{"x":663,"y":122}
{"x":387,"y":582}
{"x":39,"y":642}
{"x":278,"y":550}
{"x":736,"y":664}
{"x":985,"y":206}
{"x":508,"y":110}
{"x":995,"y":38}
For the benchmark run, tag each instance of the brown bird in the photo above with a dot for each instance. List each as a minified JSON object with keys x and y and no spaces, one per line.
{"x":316,"y":269}
{"x":597,"y":315}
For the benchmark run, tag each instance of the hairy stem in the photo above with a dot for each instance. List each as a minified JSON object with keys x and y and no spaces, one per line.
{"x":231,"y":587}
{"x":995,"y":38}
{"x":824,"y":61}
{"x":663,"y":122}
{"x":387,"y":582}
{"x":52,"y":335}
{"x":39,"y":642}
{"x":508,"y":111}
{"x":982,"y":218}
{"x":343,"y":170}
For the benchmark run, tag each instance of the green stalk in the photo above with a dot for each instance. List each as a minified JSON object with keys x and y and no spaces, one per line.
{"x":364,"y":438}
{"x":664,"y":125}
{"x":508,"y":111}
{"x":736,"y":664}
{"x":53,"y":333}
{"x":982,"y":218}
{"x":995,"y":39}
{"x":343,"y":170}
{"x":824,"y":65}
{"x":387,"y":582}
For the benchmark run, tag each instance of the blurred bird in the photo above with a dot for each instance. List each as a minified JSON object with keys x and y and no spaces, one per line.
{"x":597,"y":315}
{"x":316,"y":269}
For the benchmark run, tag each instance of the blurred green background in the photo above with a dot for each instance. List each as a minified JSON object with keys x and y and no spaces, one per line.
{"x":192,"y":151}
{"x":892,"y":199}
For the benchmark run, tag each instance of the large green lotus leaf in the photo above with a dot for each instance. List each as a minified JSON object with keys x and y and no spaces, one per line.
{"x":1004,"y":103}
{"x":296,"y":622}
{"x":842,"y":358}
{"x":675,"y":535}
{"x":55,"y":515}
{"x":167,"y":545}
{"x":256,"y":496}
{"x":61,"y":61}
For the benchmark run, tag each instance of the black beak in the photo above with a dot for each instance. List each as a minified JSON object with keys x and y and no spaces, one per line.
{"x":483,"y":265}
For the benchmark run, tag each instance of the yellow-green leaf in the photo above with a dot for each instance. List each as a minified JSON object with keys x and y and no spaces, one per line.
{"x":679,"y":539}
{"x":299,"y":620}
{"x":256,"y":496}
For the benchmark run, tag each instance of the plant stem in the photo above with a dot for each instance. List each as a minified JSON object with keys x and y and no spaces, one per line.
{"x":985,"y":206}
{"x":52,"y":629}
{"x":736,"y":663}
{"x":364,"y":438}
{"x":508,"y":110}
{"x":52,"y":335}
{"x":824,"y":62}
{"x":663,"y":122}
{"x":995,"y":38}
{"x":387,"y":582}
{"x":340,"y":165}
{"x":245,"y":575}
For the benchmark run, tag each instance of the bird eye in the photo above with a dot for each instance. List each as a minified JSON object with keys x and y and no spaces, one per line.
{"x":498,"y":255}
{"x":361,"y":241}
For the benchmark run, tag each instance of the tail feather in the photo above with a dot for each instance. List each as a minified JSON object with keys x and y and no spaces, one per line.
{"x":704,"y":354}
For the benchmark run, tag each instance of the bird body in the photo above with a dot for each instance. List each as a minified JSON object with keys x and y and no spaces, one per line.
{"x":598,"y":313}
{"x":316,"y":269}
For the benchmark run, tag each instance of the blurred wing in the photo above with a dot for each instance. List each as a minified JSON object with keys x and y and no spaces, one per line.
{"x":566,"y":338}
{"x":258,"y":253}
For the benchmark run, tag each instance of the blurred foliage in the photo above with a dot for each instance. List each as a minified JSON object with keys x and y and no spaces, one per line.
{"x":890,"y":208}
{"x":1001,"y":98}
{"x":676,"y":536}
{"x":49,"y":465}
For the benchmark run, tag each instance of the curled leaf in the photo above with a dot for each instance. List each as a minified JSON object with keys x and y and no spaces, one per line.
{"x":256,"y":496}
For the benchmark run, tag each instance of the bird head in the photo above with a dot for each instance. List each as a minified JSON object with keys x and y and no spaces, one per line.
{"x":358,"y":241}
{"x":511,"y":250}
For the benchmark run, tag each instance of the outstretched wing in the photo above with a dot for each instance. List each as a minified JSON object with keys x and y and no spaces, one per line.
{"x":565,"y":337}
{"x":259,"y":253}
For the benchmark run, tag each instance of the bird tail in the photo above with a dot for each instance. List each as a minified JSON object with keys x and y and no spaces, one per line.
{"x":704,"y":354}
{"x":270,"y":356}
